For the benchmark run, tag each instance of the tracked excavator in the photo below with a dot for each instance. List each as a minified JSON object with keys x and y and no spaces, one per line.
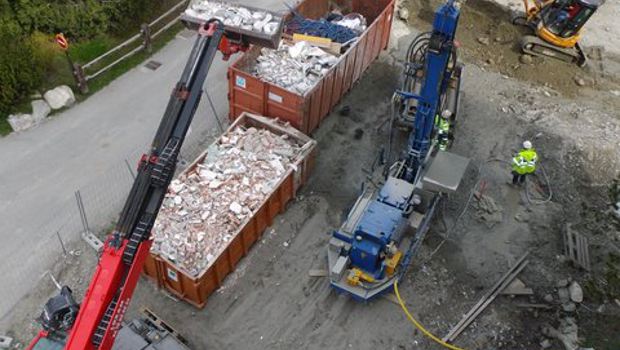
{"x":556,"y":26}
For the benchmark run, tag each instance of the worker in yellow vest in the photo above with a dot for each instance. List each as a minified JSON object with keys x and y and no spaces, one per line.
{"x":443,"y":129}
{"x":524,"y":163}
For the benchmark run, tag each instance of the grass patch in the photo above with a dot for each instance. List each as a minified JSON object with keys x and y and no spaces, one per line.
{"x":5,"y":127}
{"x":84,"y":52}
{"x":106,"y":78}
{"x":60,"y":73}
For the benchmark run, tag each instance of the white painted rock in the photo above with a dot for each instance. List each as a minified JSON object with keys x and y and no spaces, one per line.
{"x":40,"y":110}
{"x":576,"y":293}
{"x":60,"y":96}
{"x":21,"y":122}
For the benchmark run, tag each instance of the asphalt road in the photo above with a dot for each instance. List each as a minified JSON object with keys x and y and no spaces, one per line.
{"x":85,"y":147}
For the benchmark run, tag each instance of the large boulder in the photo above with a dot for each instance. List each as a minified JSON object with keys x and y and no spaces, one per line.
{"x":40,"y":110}
{"x":576,"y":293}
{"x":59,"y":97}
{"x":21,"y":122}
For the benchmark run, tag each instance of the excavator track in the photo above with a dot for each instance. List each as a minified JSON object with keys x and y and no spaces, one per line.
{"x":535,"y":46}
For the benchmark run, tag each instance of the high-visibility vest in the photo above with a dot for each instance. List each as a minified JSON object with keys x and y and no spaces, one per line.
{"x":525,"y":161}
{"x":442,"y":124}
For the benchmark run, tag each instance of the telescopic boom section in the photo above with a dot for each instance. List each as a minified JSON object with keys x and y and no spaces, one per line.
{"x":117,"y":273}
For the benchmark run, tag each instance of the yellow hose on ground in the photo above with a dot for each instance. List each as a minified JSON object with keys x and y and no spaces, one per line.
{"x":418,"y":325}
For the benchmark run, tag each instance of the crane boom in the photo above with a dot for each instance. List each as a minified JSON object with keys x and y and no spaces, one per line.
{"x":95,"y":323}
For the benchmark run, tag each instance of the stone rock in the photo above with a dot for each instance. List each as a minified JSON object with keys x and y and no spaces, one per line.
{"x":59,"y":97}
{"x":548,"y":298}
{"x":567,"y":333}
{"x":483,"y":40}
{"x":526,"y":59}
{"x":522,"y":217}
{"x":569,"y":306}
{"x":576,"y":293}
{"x":21,"y":122}
{"x":403,"y":13}
{"x":40,"y":110}
{"x":545,"y":344}
{"x":563,"y":294}
{"x":580,"y":81}
{"x":562,"y":283}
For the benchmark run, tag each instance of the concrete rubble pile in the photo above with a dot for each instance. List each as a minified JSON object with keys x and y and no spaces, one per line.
{"x":206,"y":206}
{"x":296,"y":68}
{"x":234,"y":16}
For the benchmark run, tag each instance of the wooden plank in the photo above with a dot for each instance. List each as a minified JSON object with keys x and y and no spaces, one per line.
{"x":535,"y":306}
{"x":576,"y":248}
{"x":498,"y":286}
{"x":473,"y":316}
{"x":317,"y":273}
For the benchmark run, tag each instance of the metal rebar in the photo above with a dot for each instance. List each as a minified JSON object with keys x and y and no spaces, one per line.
{"x":131,"y":172}
{"x":217,"y":117}
{"x":62,"y":244}
{"x":80,"y":204}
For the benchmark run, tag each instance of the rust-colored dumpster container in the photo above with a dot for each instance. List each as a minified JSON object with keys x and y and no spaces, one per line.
{"x":247,"y":93}
{"x":196,"y":289}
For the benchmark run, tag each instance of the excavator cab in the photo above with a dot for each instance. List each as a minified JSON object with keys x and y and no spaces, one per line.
{"x":556,"y":27}
{"x":565,"y":18}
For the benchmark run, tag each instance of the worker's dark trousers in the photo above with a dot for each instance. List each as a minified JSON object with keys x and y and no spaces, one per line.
{"x":518,"y":178}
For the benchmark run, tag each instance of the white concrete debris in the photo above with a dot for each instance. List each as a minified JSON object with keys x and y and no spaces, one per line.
{"x":354,"y":21}
{"x":60,"y":96}
{"x":296,"y":68}
{"x":206,"y":206}
{"x":234,"y":16}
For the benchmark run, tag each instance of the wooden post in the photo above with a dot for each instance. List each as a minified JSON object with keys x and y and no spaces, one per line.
{"x":78,"y":74}
{"x":80,"y":78}
{"x":146,"y":37}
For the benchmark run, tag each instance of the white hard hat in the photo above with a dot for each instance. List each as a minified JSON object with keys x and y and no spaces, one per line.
{"x":446,"y":114}
{"x":527,"y":144}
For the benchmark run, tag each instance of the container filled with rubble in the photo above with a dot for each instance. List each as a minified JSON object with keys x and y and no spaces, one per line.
{"x":258,"y":26}
{"x":326,"y":47}
{"x":220,"y":205}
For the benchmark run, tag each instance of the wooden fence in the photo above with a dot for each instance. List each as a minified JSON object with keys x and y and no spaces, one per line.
{"x":146,"y":37}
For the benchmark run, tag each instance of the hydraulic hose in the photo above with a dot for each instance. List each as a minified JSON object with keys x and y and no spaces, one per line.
{"x":418,"y":325}
{"x":527,"y":192}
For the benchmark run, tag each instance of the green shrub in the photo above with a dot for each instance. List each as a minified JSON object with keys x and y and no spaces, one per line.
{"x":45,"y":50}
{"x":20,"y":72}
{"x":76,"y":19}
{"x":128,"y":15}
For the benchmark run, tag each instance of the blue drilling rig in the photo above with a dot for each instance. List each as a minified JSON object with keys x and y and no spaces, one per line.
{"x":387,"y":223}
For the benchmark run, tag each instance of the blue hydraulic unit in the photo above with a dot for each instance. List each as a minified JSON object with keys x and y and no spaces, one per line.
{"x":387,"y":224}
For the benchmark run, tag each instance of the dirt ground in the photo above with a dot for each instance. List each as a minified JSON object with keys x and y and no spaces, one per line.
{"x":270,"y":301}
{"x":489,"y":39}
